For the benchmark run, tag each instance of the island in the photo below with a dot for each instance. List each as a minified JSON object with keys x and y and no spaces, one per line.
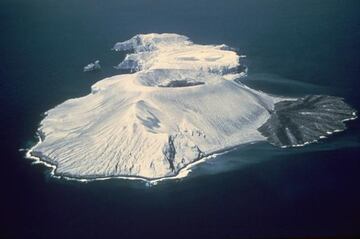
{"x":92,"y":66}
{"x":179,"y":103}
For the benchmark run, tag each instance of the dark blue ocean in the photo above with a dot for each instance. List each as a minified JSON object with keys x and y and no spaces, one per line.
{"x":293,"y":48}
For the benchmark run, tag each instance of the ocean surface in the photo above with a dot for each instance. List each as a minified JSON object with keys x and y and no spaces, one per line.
{"x":293,"y":48}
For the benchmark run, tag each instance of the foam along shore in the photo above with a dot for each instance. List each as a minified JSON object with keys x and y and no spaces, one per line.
{"x":180,"y":106}
{"x":182,"y":173}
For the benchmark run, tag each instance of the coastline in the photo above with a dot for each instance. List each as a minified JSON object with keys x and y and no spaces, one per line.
{"x":181,"y":173}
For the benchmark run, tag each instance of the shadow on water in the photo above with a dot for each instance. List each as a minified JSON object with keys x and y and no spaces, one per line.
{"x":277,"y":85}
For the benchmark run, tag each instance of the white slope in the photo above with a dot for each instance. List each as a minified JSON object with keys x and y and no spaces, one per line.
{"x":178,"y":107}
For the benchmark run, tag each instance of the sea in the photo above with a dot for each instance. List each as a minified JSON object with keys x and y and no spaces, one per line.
{"x":293,"y":48}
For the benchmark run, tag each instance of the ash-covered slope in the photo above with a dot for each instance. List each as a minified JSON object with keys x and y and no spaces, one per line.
{"x":179,"y":106}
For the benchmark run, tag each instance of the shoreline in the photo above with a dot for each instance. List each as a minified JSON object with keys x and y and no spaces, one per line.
{"x":182,"y":172}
